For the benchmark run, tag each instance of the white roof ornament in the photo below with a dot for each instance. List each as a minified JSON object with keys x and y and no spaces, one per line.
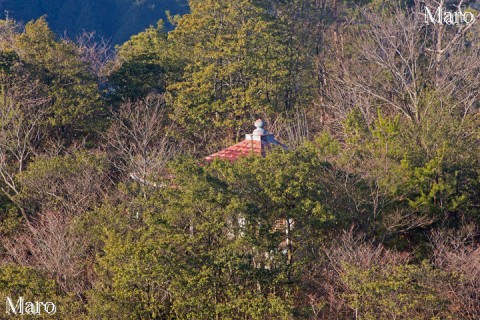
{"x":258,"y":142}
{"x":259,"y":131}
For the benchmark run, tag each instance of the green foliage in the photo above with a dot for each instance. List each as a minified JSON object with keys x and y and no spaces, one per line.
{"x":7,"y":60}
{"x":393,"y":292}
{"x":70,"y":182}
{"x":208,"y":247}
{"x":33,"y":285}
{"x":136,"y":267}
{"x":237,"y":66}
{"x":145,"y":65}
{"x":327,"y":145}
{"x":253,"y":238}
{"x":71,"y":90}
{"x":428,"y":169}
{"x":355,"y":126}
{"x":10,"y":220}
{"x":184,"y":261}
{"x":299,"y":192}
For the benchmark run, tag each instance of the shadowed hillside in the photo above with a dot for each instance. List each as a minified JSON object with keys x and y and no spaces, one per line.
{"x":115,"y":19}
{"x":137,"y":183}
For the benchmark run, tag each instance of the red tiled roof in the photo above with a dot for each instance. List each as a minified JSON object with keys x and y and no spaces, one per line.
{"x":256,"y":143}
{"x":242,"y":149}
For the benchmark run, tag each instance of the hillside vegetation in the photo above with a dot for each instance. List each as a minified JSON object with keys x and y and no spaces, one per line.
{"x":109,"y":210}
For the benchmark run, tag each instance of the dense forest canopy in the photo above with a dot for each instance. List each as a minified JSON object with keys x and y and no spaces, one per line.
{"x":372,"y":211}
{"x":111,"y":19}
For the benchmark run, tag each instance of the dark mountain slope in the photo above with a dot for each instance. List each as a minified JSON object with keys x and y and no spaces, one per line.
{"x":115,"y":19}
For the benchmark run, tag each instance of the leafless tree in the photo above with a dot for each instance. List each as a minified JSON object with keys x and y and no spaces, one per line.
{"x":50,"y":244}
{"x":139,"y":140}
{"x":22,"y":112}
{"x":405,"y":65}
{"x":325,"y":287}
{"x":459,"y":254}
{"x":8,"y":30}
{"x":402,"y":220}
{"x":94,"y":51}
{"x":291,"y":130}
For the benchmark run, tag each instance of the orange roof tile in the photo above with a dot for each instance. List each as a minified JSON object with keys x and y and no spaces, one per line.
{"x":242,"y":149}
{"x":256,"y":143}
